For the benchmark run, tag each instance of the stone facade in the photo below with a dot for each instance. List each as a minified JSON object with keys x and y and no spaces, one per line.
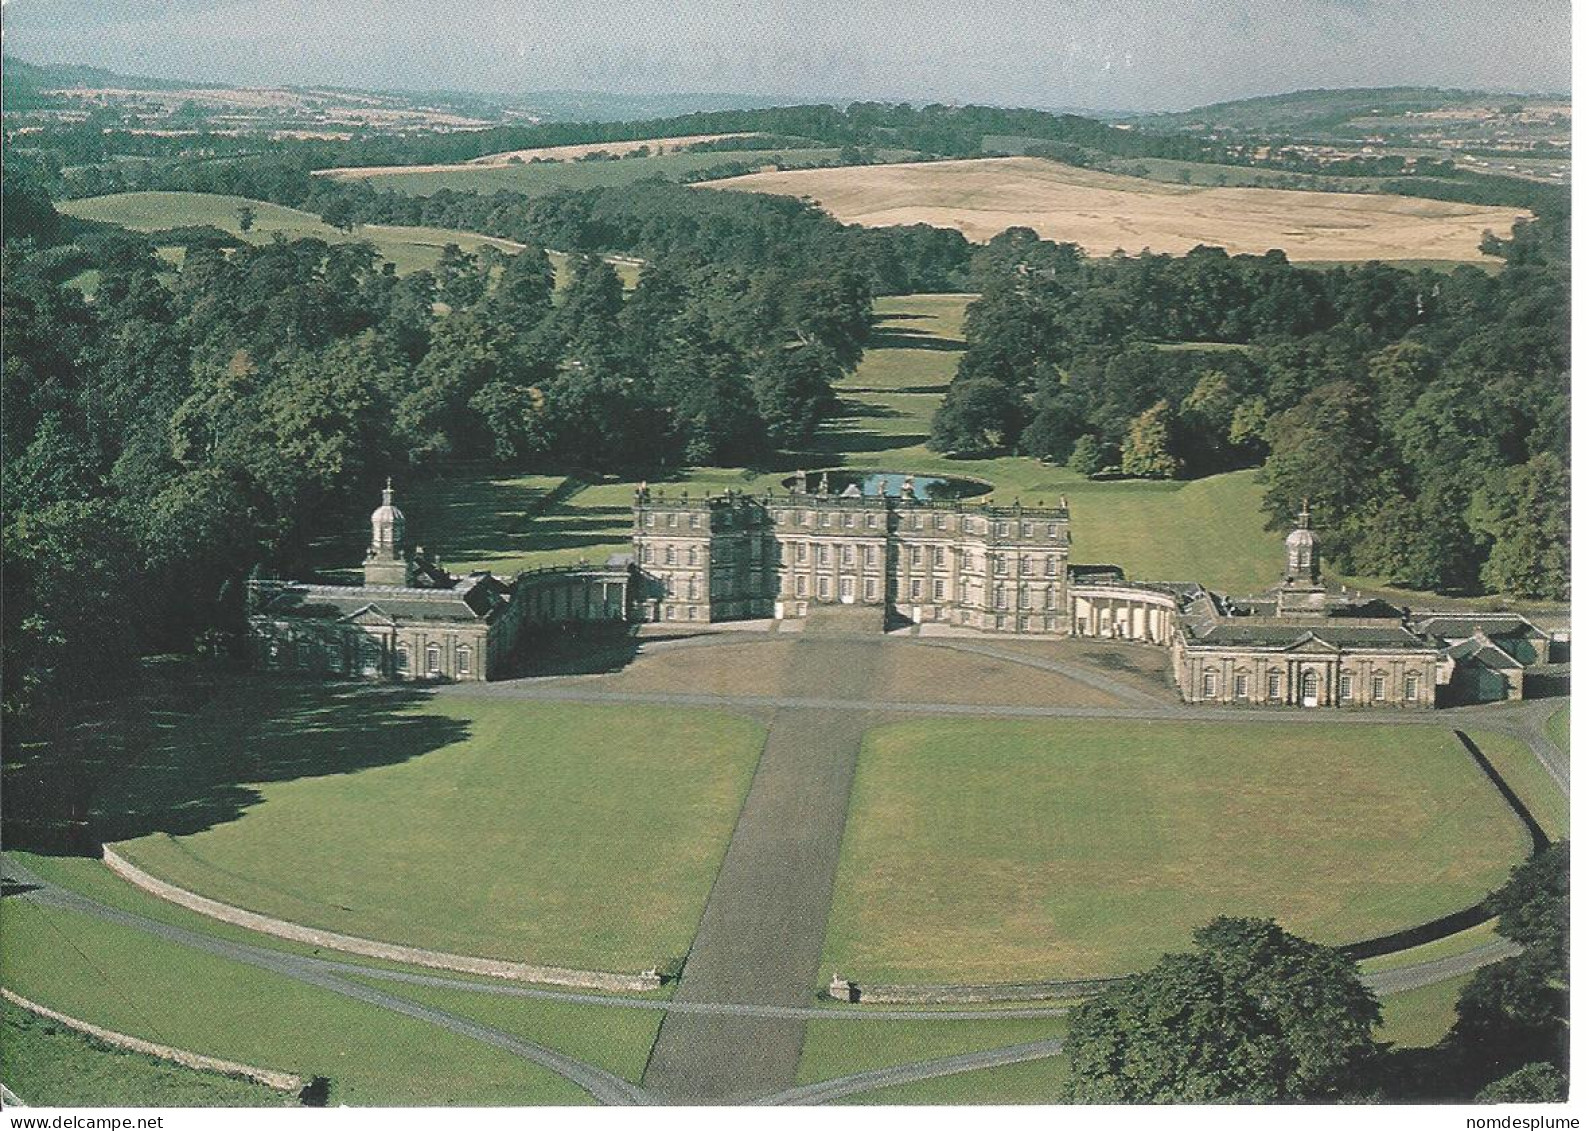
{"x":726,"y":557}
{"x":948,"y":563}
{"x":412,"y":620}
{"x":1300,"y":645}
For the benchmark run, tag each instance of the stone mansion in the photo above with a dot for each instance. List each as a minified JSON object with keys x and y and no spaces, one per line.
{"x":949,"y":565}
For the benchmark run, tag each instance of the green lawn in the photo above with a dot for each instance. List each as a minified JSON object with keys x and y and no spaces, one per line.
{"x":842,"y":1048}
{"x":133,"y":983}
{"x":1419,"y":1018}
{"x":542,"y":178}
{"x":1558,"y":729}
{"x":1011,"y":850}
{"x":1033,"y":1082}
{"x":616,"y":1039}
{"x":49,"y":1065}
{"x":1515,"y":762}
{"x":916,"y":343}
{"x":583,"y":836}
{"x":409,"y":248}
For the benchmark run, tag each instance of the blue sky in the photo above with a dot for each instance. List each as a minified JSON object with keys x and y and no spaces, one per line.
{"x":1108,"y":54}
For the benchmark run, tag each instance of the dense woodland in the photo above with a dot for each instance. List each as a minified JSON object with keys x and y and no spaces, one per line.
{"x":1424,"y":415}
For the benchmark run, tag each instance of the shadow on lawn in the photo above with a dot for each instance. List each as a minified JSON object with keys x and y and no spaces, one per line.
{"x":913,"y":340}
{"x":190,"y":771}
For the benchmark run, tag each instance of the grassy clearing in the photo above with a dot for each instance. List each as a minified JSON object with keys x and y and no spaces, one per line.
{"x":840,"y":1048}
{"x":532,"y":832}
{"x":916,"y":343}
{"x":408,"y":248}
{"x":134,"y":983}
{"x":1011,"y":850}
{"x":1104,"y":212}
{"x":549,"y":177}
{"x":1419,"y":1018}
{"x":48,"y":1065}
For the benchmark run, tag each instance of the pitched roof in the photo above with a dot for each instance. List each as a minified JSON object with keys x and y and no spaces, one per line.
{"x":1480,"y":649}
{"x":474,"y":599}
{"x":1456,"y":626}
{"x":1284,"y":637}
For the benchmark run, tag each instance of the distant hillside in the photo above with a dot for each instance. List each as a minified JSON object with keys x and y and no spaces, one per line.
{"x":23,"y":82}
{"x":1317,"y":110}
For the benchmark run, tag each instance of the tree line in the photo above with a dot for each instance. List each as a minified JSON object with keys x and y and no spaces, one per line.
{"x":1424,"y":415}
{"x":185,"y":426}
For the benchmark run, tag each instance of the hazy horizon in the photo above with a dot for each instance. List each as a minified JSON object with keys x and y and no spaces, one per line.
{"x":1124,"y":55}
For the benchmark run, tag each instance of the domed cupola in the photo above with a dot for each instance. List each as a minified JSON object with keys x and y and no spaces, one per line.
{"x":386,"y":562}
{"x":1302,"y":550}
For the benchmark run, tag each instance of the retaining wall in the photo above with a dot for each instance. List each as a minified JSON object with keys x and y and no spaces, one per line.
{"x":270,"y":1078}
{"x":370,"y":948}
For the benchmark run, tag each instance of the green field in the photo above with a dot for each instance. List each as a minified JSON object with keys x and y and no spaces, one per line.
{"x":558,"y":834}
{"x":842,"y":1048}
{"x":542,"y":178}
{"x":1011,"y":850}
{"x":48,"y":1065}
{"x":408,"y":248}
{"x":133,"y":983}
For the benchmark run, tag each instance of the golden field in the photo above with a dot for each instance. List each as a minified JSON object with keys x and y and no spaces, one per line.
{"x":1104,"y":212}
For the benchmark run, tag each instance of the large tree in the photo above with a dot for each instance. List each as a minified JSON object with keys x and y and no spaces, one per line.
{"x":1253,"y":1014}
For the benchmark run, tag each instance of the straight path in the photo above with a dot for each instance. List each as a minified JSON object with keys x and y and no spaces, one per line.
{"x":760,"y":938}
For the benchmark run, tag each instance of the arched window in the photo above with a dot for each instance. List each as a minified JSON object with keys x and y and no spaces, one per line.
{"x":402,"y":659}
{"x":433,"y":659}
{"x":465,"y":656}
{"x":1210,"y":685}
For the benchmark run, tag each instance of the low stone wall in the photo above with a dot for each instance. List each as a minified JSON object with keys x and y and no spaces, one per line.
{"x":270,"y":1078}
{"x":971,"y":993}
{"x":369,"y":948}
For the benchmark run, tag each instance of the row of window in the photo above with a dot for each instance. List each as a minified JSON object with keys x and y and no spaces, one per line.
{"x":1346,"y":686}
{"x":368,"y":658}
{"x":916,"y":520}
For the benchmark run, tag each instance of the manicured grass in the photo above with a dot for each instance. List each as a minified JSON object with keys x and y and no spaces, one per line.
{"x":408,"y":248}
{"x":1516,"y":763}
{"x":49,"y":1065}
{"x":916,"y":342}
{"x":1012,"y":850}
{"x":1558,"y":729}
{"x":1033,"y":1082}
{"x":842,"y":1048}
{"x":560,"y":834}
{"x":618,"y":1040}
{"x":1419,"y":1018}
{"x":540,"y":179}
{"x":133,"y":983}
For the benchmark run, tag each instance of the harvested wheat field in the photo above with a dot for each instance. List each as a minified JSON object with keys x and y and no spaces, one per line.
{"x":1104,"y":212}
